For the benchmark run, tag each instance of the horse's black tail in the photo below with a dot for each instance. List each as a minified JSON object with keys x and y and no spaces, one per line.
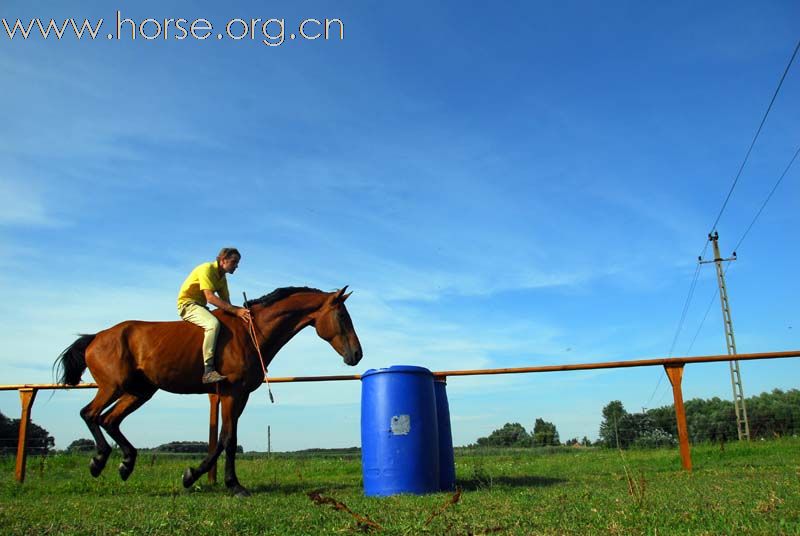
{"x":72,"y":361}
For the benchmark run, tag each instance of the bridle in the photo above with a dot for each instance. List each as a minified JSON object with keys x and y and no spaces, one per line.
{"x":251,"y":330}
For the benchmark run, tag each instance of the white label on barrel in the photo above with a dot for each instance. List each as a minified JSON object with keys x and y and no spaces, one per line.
{"x":401,"y":424}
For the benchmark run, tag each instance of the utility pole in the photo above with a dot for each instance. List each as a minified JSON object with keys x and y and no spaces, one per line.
{"x":742,"y":424}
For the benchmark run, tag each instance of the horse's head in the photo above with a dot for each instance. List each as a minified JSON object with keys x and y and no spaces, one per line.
{"x":333,"y":324}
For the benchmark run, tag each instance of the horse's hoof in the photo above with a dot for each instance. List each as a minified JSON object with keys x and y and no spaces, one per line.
{"x":125,"y":471}
{"x":188,"y":478}
{"x":96,"y":467}
{"x":240,"y":492}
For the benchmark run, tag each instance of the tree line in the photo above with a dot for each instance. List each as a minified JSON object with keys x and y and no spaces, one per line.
{"x":543,"y":434}
{"x":773,"y":414}
{"x":194,"y":447}
{"x":41,"y":442}
{"x":770,"y":415}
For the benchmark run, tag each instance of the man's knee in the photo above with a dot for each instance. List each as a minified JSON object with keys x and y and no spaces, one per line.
{"x":212,"y":326}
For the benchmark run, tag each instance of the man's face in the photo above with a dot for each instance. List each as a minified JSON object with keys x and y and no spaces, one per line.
{"x":230,"y":264}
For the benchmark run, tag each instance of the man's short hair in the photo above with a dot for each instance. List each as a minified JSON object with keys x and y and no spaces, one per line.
{"x":227,"y":253}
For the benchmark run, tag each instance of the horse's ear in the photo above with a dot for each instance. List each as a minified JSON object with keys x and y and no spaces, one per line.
{"x":346,"y":296}
{"x":340,"y":293}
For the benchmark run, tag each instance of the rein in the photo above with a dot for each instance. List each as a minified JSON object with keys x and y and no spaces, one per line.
{"x":251,"y":330}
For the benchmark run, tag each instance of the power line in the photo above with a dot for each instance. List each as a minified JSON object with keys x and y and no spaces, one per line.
{"x":685,"y":308}
{"x":760,"y":210}
{"x":752,"y":143}
{"x":680,"y":327}
{"x":730,"y":192}
{"x":660,"y":377}
{"x":722,"y":209}
{"x":708,"y":309}
{"x":785,"y":171}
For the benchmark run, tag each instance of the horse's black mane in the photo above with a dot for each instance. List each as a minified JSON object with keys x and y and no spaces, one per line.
{"x":279,"y":294}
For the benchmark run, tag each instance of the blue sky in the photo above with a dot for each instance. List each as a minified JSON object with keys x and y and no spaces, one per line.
{"x":505,"y":186}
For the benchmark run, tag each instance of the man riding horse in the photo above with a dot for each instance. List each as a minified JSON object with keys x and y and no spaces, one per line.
{"x":133,"y":359}
{"x":197,"y":291}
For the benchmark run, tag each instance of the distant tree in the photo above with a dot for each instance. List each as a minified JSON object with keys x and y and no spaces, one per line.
{"x":774,"y":414}
{"x":39,"y":440}
{"x":586,"y":442}
{"x":8,"y":436}
{"x":510,"y":435}
{"x":544,"y":434}
{"x":664,"y":418}
{"x":196,"y":447}
{"x":770,"y":415}
{"x":81,"y":445}
{"x":184,"y":446}
{"x":572,"y":442}
{"x":631,"y":426}
{"x":655,"y":437}
{"x":613,"y":413}
{"x":633,"y":429}
{"x":710,"y":420}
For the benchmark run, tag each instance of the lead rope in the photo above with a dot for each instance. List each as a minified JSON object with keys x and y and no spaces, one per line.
{"x":251,"y":329}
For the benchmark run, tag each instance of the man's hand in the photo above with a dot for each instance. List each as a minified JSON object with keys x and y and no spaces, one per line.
{"x":243,"y":313}
{"x":216,"y":301}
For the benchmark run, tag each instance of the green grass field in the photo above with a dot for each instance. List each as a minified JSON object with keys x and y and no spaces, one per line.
{"x":742,"y":489}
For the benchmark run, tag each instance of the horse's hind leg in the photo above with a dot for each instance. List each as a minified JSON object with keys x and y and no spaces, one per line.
{"x":127,"y":404}
{"x":91,"y":415}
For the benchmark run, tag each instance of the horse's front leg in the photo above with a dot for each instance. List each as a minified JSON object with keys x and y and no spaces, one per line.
{"x":190,"y":475}
{"x":231,"y":481}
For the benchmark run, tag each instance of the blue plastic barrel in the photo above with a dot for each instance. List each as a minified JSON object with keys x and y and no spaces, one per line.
{"x":399,"y":431}
{"x":447,"y":465}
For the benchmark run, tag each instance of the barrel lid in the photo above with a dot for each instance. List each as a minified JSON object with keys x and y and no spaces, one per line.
{"x":407,"y":369}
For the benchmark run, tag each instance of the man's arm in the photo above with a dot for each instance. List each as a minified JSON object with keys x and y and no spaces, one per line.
{"x":218,"y":302}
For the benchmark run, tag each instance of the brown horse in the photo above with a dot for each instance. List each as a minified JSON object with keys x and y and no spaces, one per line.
{"x":134,"y":359}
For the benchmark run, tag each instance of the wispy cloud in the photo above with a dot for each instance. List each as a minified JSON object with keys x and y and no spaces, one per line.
{"x":23,"y":204}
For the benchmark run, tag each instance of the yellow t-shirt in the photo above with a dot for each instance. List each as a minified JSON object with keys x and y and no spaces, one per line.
{"x":204,"y":277}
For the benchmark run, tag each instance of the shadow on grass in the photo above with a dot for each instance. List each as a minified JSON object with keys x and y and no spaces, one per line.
{"x":269,"y":488}
{"x":300,"y":487}
{"x":474,"y":484}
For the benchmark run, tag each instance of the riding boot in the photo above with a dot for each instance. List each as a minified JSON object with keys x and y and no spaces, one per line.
{"x":212,"y":376}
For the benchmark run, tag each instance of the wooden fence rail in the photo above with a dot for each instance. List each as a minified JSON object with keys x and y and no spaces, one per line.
{"x":673,"y":367}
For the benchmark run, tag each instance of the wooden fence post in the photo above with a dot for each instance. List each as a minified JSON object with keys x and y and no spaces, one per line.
{"x":675,"y":375}
{"x":213,"y":425}
{"x":26,"y":396}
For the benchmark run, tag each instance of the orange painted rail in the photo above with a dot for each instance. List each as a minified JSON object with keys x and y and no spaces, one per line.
{"x":663,"y":361}
{"x":672,"y":365}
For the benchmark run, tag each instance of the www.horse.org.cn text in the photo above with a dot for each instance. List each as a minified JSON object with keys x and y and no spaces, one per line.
{"x":271,"y":32}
